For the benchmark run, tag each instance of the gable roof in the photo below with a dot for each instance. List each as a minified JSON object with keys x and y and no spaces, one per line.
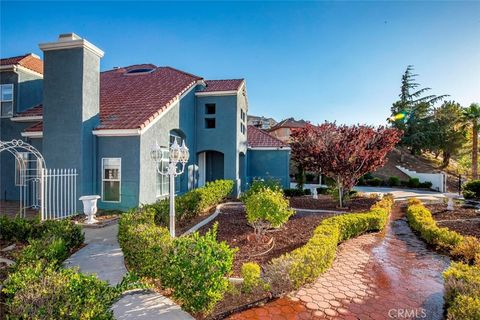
{"x":222,"y":85}
{"x":36,"y":111}
{"x":257,"y":138}
{"x":29,"y":61}
{"x":290,"y":123}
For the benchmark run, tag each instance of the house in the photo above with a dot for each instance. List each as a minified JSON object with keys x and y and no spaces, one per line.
{"x":105,"y":124}
{"x":261,"y":122}
{"x":283,"y":129}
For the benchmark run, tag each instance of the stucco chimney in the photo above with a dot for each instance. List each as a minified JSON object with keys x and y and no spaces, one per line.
{"x":71,"y":105}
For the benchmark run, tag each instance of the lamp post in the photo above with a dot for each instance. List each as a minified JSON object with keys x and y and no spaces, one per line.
{"x":176,"y":154}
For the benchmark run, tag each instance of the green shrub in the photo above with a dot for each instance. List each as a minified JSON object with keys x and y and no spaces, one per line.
{"x":322,"y":190}
{"x":66,"y":230}
{"x":17,"y":229}
{"x":426,"y":185}
{"x":267,"y":209}
{"x":462,"y":291}
{"x":413,"y":183}
{"x":42,"y":291}
{"x":251,"y":276}
{"x":471,"y":190}
{"x":375,"y":182}
{"x":467,"y":250}
{"x":306,"y":263}
{"x":196,"y":270}
{"x":295,"y":192}
{"x":258,"y":185}
{"x":52,"y":250}
{"x":393,"y":181}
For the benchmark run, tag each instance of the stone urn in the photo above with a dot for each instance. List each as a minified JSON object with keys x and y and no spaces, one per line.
{"x":90,"y":207}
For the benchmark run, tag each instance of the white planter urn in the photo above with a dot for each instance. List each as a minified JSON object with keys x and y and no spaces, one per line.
{"x":90,"y":207}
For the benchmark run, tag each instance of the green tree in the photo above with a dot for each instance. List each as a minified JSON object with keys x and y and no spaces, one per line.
{"x":418,"y":110}
{"x":471,"y":115}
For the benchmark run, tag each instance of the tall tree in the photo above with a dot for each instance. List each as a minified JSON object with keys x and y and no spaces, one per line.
{"x":417,"y":108}
{"x":343,"y":153}
{"x":472,"y":118}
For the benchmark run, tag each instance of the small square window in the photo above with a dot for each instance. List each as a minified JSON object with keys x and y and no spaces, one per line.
{"x":210,"y":108}
{"x":210,"y":123}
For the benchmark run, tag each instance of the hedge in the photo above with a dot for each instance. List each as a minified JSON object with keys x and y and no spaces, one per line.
{"x":471,"y":189}
{"x":194,"y":267}
{"x":420,"y":219}
{"x":192,"y":203}
{"x":306,"y":263}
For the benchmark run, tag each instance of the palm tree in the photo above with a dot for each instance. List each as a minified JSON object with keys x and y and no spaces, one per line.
{"x":472,"y":117}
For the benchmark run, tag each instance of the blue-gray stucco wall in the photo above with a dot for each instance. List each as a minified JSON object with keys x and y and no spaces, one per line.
{"x":29,"y":91}
{"x":269,"y":164}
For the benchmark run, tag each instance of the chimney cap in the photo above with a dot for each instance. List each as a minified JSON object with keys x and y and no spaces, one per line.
{"x":68,"y":37}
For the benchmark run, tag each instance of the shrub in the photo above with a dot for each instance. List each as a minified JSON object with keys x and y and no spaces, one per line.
{"x":413,"y":183}
{"x":375,"y":182}
{"x":66,"y":230}
{"x":462,"y":291}
{"x":41,"y":291}
{"x":322,"y":190}
{"x":295,"y":192}
{"x":258,"y":185}
{"x":251,"y":276}
{"x":266,"y":209}
{"x":425,"y":185}
{"x":471,"y":190}
{"x":393,"y":181}
{"x":306,"y":263}
{"x":196,"y":270}
{"x":51,"y":250}
{"x":467,"y":250}
{"x":362,"y":182}
{"x":17,"y":229}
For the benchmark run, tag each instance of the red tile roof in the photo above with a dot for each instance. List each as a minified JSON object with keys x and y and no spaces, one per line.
{"x":29,"y":61}
{"x":130,"y":100}
{"x":222,"y":85}
{"x":36,"y":111}
{"x":37,"y":127}
{"x":290,"y":123}
{"x":257,"y":138}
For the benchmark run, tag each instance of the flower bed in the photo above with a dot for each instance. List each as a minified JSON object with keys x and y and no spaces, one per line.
{"x":326,"y":202}
{"x":462,"y":281}
{"x":455,"y":220}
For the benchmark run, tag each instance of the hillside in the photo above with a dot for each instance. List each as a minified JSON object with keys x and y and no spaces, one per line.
{"x":426,"y":163}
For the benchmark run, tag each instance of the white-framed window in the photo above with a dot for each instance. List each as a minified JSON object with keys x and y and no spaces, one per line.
{"x":162,"y":180}
{"x":111,"y":179}
{"x":6,"y":97}
{"x":21,"y":164}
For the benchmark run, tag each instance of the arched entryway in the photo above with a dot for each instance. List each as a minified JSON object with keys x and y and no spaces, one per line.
{"x":211,"y":166}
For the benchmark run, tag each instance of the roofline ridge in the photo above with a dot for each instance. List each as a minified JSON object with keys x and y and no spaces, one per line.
{"x":269,"y":135}
{"x":184,"y":72}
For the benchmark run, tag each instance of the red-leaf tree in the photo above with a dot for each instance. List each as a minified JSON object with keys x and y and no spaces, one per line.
{"x":343,"y":153}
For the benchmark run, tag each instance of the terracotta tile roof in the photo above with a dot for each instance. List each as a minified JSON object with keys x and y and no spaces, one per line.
{"x":257,"y":138}
{"x":290,"y":123}
{"x":35,"y":111}
{"x":131,"y":101}
{"x":29,"y":61}
{"x":222,"y":85}
{"x":37,"y":127}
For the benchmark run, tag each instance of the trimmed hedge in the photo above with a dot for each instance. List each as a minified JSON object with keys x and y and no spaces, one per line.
{"x":462,"y":291}
{"x":195,"y":267}
{"x":192,"y":203}
{"x":306,"y":263}
{"x":420,"y":219}
{"x":471,"y":189}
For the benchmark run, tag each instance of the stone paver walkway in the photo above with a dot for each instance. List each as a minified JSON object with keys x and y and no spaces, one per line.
{"x":387,"y":275}
{"x":103,"y":256}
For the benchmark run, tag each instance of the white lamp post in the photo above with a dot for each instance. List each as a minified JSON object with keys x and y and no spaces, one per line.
{"x":177,"y":154}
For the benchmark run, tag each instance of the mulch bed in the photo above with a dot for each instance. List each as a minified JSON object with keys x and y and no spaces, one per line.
{"x":466,"y":228}
{"x":325,"y":202}
{"x":234,"y":229}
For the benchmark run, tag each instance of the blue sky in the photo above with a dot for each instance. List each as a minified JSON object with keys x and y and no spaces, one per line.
{"x":313,"y":60}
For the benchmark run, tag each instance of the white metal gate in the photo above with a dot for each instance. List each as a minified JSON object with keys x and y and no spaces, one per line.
{"x":53,"y":191}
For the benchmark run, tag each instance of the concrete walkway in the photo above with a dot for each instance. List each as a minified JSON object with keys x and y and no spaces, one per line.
{"x":103,"y":256}
{"x":403,"y":194}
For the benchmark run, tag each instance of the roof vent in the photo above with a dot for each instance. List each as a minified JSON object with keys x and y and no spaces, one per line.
{"x":139,"y":71}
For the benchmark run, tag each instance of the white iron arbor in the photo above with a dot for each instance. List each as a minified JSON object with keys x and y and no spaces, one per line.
{"x":53,"y":191}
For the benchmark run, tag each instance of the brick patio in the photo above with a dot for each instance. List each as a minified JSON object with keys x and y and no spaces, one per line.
{"x":374,"y":276}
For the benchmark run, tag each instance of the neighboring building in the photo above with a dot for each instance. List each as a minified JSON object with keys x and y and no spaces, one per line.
{"x":261,"y":122}
{"x":104,"y":124}
{"x":283,"y":129}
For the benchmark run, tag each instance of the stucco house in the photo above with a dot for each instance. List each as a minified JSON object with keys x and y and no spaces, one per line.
{"x":104,"y":124}
{"x":283,"y":129}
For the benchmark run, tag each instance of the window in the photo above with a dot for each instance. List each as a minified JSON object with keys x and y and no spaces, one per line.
{"x":242,"y":128}
{"x":6,"y":95}
{"x":210,"y":123}
{"x":242,"y":115}
{"x":21,"y":168}
{"x":111,"y":179}
{"x":210,"y":108}
{"x":162,"y":180}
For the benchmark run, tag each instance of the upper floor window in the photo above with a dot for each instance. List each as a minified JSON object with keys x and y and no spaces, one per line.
{"x":111,"y":179}
{"x":242,"y":114}
{"x":210,"y":123}
{"x":210,"y":108}
{"x":6,"y":96}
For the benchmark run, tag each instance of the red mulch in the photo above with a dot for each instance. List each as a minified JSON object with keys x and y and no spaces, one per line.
{"x":455,"y":219}
{"x":325,"y":202}
{"x":233,"y":228}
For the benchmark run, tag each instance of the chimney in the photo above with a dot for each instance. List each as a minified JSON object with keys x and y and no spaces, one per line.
{"x":71,"y":106}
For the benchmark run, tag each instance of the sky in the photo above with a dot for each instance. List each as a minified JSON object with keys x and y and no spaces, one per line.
{"x":334,"y":61}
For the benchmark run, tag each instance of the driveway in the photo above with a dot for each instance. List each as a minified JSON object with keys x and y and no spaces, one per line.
{"x":404,"y":194}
